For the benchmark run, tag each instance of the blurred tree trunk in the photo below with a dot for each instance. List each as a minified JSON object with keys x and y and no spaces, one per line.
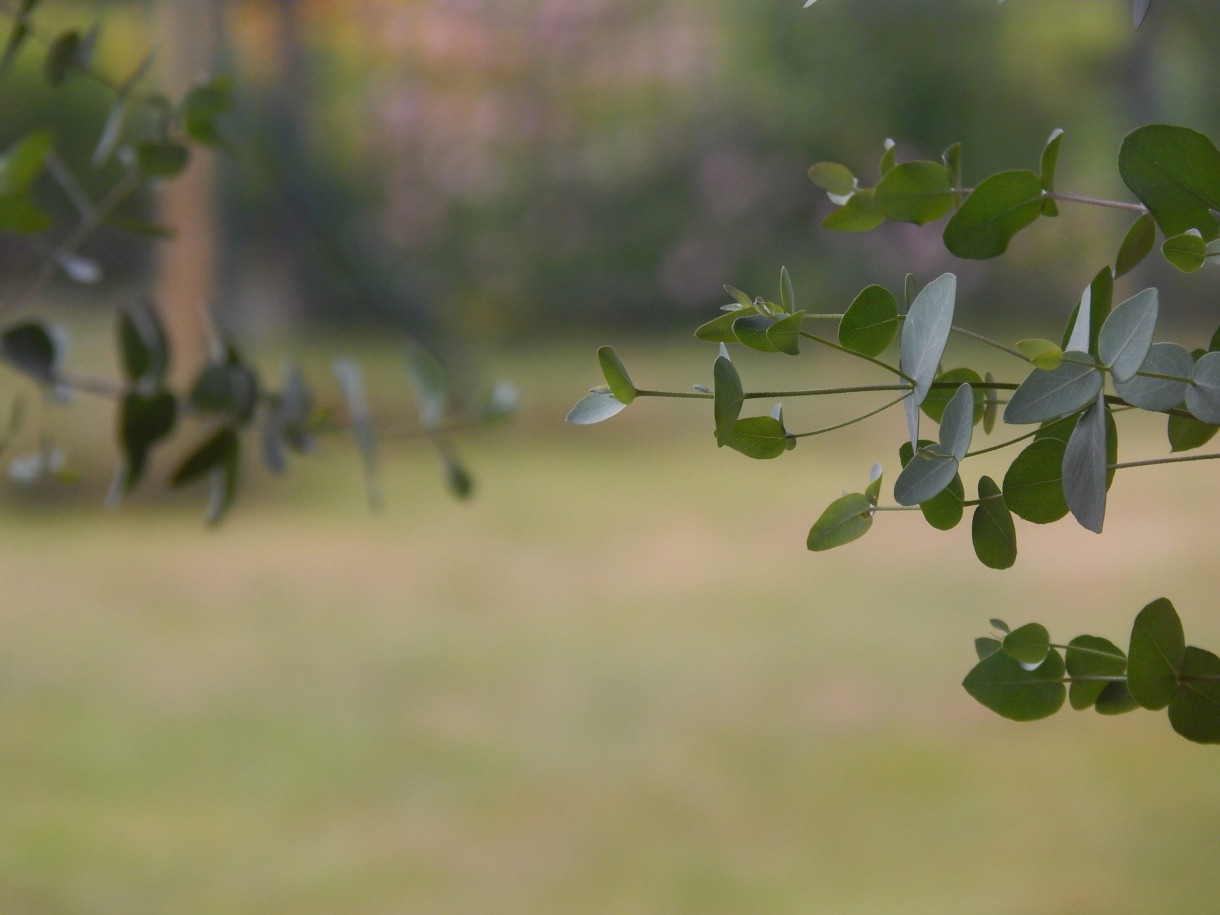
{"x":188,"y":40}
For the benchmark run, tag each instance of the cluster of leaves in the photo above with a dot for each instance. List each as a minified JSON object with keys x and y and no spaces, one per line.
{"x":1023,"y":675}
{"x":152,"y":139}
{"x":1072,"y":389}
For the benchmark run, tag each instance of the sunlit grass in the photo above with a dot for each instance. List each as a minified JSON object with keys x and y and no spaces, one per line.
{"x":613,"y":682}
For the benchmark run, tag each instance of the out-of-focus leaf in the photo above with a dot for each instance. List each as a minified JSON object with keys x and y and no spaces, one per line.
{"x":23,"y":161}
{"x":1175,"y":172}
{"x":61,"y":56}
{"x":996,"y":210}
{"x":202,"y":109}
{"x":161,"y":159}
{"x":1187,"y":252}
{"x":217,"y":450}
{"x":1137,"y":244}
{"x":833,"y":178}
{"x":143,"y":344}
{"x":19,"y":213}
{"x":1050,"y":161}
{"x":1139,"y":9}
{"x":430,"y":383}
{"x":1043,"y":354}
{"x":351,"y":382}
{"x":30,"y":347}
{"x":144,"y":420}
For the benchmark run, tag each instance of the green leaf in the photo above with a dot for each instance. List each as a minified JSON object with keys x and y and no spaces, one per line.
{"x":991,"y":404}
{"x":870,"y":323}
{"x":996,"y":210}
{"x":759,"y":437}
{"x":926,"y":476}
{"x":1033,"y":484}
{"x":1047,"y":395}
{"x":833,"y":178}
{"x":999,"y":625}
{"x":742,"y":301}
{"x":751,"y":332}
{"x":61,"y":56}
{"x":1175,"y":172}
{"x":926,"y":331}
{"x":1187,"y":252}
{"x":728,"y":398}
{"x":22,"y":162}
{"x":1000,"y":683}
{"x":720,"y":329}
{"x":1194,"y":710}
{"x":1028,"y":644}
{"x":202,"y":108}
{"x":957,"y":423}
{"x":873,"y":491}
{"x":1155,"y":656}
{"x":1203,"y":394}
{"x":286,"y":421}
{"x":1043,"y":354}
{"x":615,"y":373}
{"x":858,"y":214}
{"x":1159,"y":393}
{"x":143,"y":344}
{"x":228,"y":387}
{"x":161,"y":159}
{"x":1137,"y":244}
{"x":31,"y":348}
{"x":846,"y":519}
{"x":986,"y":646}
{"x":787,"y":295}
{"x":144,"y":420}
{"x":1050,"y":160}
{"x":1089,"y":656}
{"x":593,"y":408}
{"x":1187,"y":433}
{"x":938,"y":398}
{"x":216,"y":451}
{"x":1126,"y":336}
{"x":952,"y":159}
{"x":1115,"y":699}
{"x":992,"y":531}
{"x":943,"y":511}
{"x":20,"y":214}
{"x":917,"y":192}
{"x":887,"y":157}
{"x":1085,"y":468}
{"x":784,"y":335}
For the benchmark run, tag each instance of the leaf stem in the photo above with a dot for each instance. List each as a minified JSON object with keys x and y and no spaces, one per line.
{"x":1151,"y":462}
{"x":843,"y":349}
{"x":861,"y":418}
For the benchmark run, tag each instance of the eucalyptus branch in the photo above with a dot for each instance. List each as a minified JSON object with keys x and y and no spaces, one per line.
{"x":843,"y":349}
{"x":852,"y":422}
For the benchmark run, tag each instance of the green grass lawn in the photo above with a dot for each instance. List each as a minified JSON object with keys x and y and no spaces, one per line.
{"x":615,"y":682}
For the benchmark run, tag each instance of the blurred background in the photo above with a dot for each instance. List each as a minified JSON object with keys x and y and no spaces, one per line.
{"x":614,"y":681}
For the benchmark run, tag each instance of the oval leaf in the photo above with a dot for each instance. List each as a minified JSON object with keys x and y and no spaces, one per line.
{"x":1187,"y":252}
{"x":1155,"y":655}
{"x":992,"y":531}
{"x":728,"y":398}
{"x":1001,"y":684}
{"x":925,"y":332}
{"x":1089,"y":661}
{"x":594,"y":407}
{"x":957,"y":423}
{"x":926,"y":476}
{"x":1126,"y":336}
{"x":918,"y":192}
{"x":1033,"y":484}
{"x":616,"y":375}
{"x":846,"y":519}
{"x":1137,"y":243}
{"x":1194,"y":711}
{"x":759,"y":437}
{"x":1048,"y":395}
{"x":858,"y":214}
{"x":1175,"y":172}
{"x":996,"y":210}
{"x":870,"y":323}
{"x":1028,"y":644}
{"x":1157,"y":394}
{"x":1203,"y":394}
{"x":1085,"y":468}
